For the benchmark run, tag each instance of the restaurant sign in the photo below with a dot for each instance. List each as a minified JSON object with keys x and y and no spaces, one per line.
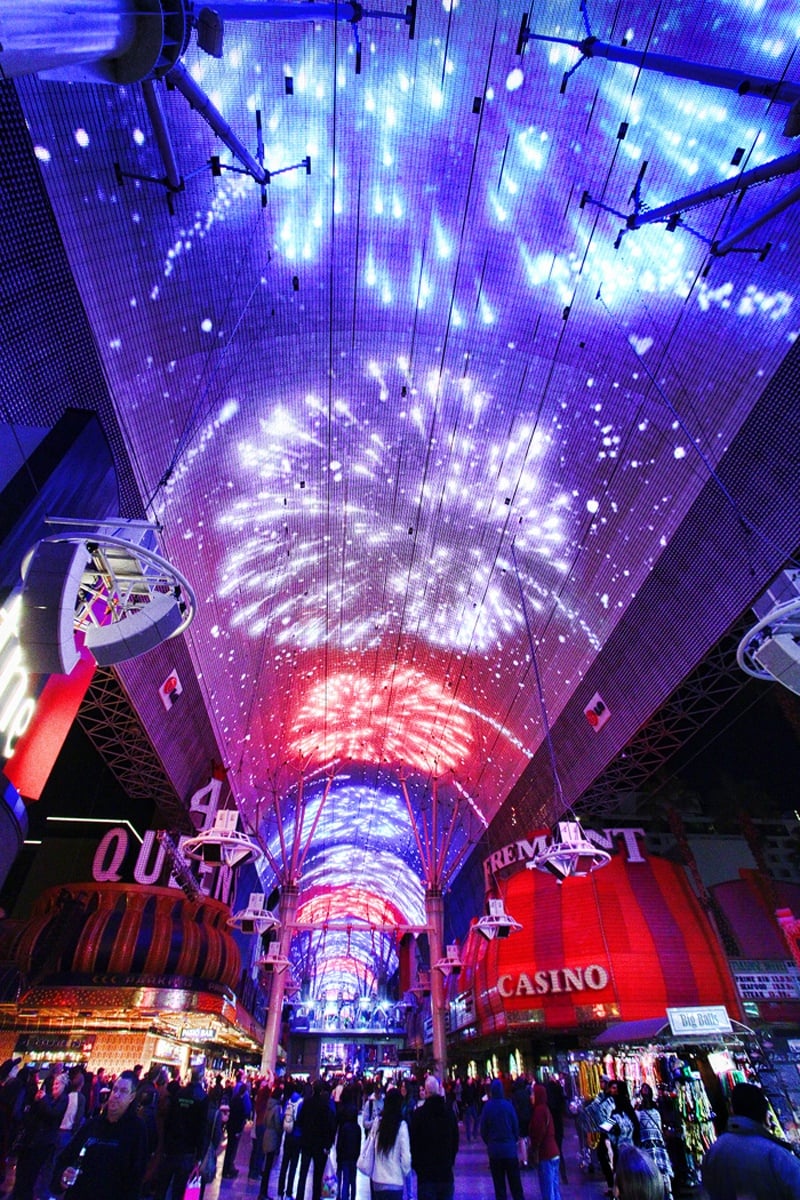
{"x":696,"y":1022}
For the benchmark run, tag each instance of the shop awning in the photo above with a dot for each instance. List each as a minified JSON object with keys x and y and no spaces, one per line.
{"x":632,"y":1031}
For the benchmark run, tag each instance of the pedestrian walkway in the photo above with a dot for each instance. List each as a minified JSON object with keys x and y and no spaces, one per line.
{"x":472,"y":1176}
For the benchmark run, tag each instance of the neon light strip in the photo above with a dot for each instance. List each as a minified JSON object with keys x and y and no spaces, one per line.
{"x":101,"y":821}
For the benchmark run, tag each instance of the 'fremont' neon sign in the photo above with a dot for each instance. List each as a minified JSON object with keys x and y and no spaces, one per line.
{"x":518,"y":853}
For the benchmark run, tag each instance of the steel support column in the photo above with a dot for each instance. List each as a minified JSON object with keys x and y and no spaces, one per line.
{"x":434,"y":914}
{"x":287,"y":914}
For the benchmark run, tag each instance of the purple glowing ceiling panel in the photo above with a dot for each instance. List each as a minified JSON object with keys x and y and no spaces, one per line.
{"x":347,"y":405}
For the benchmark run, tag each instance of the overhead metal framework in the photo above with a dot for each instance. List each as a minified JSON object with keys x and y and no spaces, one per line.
{"x":109,"y":720}
{"x":705,"y":692}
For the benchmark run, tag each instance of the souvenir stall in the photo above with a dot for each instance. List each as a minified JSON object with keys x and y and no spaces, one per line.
{"x":691,"y":1078}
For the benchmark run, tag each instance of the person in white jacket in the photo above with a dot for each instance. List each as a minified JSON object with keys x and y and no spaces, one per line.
{"x":392,"y":1150}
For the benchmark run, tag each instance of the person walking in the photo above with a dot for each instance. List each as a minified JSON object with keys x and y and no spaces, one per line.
{"x":624,"y":1119}
{"x":272,"y":1132}
{"x":263,"y":1094}
{"x":599,"y":1116}
{"x":499,"y":1129}
{"x":106,"y":1158}
{"x":392,"y":1150}
{"x":241,"y":1110}
{"x":434,"y":1144}
{"x":748,"y":1160}
{"x":557,"y":1103}
{"x":521,"y":1099}
{"x":544,"y":1147}
{"x":651,"y":1134}
{"x":291,"y":1145}
{"x":348,"y":1145}
{"x":317,"y":1123}
{"x":215,"y":1130}
{"x":185,"y":1126}
{"x":470,"y":1101}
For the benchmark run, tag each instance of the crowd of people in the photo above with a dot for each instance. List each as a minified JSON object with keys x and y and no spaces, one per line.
{"x":148,"y":1136}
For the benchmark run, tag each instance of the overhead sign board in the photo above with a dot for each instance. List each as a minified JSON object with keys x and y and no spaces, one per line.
{"x":765,"y":979}
{"x":697,"y":1022}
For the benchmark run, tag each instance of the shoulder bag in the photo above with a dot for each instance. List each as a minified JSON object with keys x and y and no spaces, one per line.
{"x":366,"y":1159}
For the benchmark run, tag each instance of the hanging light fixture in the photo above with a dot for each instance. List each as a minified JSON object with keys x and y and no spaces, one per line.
{"x":256,"y":918}
{"x":451,"y":963}
{"x":273,"y":962}
{"x":223,"y":844}
{"x":570,"y":852}
{"x":497,"y":923}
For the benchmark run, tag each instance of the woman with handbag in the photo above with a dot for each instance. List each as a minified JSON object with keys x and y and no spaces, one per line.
{"x":387,"y":1152}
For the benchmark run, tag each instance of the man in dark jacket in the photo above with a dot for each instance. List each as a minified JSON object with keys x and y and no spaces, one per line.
{"x":747,"y":1160}
{"x":317,"y":1123}
{"x":434,"y":1144}
{"x":521,"y":1099}
{"x":499,"y":1129}
{"x":185,"y":1123}
{"x":106,"y":1158}
{"x":348,"y":1144}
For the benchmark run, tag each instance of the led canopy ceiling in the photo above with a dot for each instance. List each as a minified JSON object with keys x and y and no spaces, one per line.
{"x":343,"y":407}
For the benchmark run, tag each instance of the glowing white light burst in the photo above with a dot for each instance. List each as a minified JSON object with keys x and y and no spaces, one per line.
{"x":407,"y":719}
{"x":449,"y":598}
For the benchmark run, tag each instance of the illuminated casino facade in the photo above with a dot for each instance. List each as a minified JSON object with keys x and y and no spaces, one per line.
{"x":621,"y":945}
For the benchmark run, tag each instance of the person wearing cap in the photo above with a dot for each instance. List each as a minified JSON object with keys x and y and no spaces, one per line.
{"x":434,"y":1144}
{"x":748,"y":1160}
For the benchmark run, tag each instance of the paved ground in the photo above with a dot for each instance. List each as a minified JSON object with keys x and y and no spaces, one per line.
{"x":472,"y":1177}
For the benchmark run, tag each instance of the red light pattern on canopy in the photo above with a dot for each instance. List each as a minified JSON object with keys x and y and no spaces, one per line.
{"x":405,"y":718}
{"x":344,"y":902}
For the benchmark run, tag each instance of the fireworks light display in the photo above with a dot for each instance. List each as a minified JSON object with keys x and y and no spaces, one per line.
{"x":345,"y":406}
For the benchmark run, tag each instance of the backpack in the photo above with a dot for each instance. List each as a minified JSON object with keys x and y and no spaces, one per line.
{"x":288,"y":1117}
